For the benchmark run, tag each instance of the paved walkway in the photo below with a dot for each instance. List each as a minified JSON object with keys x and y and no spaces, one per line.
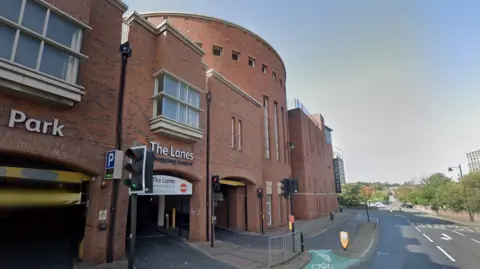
{"x":250,"y":251}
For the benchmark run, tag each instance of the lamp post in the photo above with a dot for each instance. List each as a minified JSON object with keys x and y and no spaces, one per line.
{"x":459,"y":167}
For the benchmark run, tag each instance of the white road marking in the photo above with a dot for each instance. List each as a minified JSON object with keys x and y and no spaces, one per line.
{"x":418,"y":229}
{"x":315,"y":234}
{"x":475,"y":240}
{"x":429,"y":239}
{"x":468,"y":229}
{"x":446,"y":254}
{"x":458,"y":233}
{"x":446,"y":237}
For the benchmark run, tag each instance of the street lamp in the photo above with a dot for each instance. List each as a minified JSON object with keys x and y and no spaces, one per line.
{"x":459,"y":167}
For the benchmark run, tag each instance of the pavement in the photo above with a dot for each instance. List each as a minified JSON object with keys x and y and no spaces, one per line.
{"x":412,"y":240}
{"x":327,"y":251}
{"x":231,"y":249}
{"x":248,"y":250}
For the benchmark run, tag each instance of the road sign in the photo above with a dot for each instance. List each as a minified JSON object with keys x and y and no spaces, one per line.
{"x":183,"y":187}
{"x":344,"y":240}
{"x":113,"y":164}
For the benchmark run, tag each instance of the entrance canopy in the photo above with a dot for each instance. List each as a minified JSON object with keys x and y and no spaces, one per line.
{"x":231,"y":183}
{"x":40,"y":187}
{"x":169,"y":185}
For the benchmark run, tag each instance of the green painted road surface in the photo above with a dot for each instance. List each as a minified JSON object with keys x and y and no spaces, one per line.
{"x":325,"y":259}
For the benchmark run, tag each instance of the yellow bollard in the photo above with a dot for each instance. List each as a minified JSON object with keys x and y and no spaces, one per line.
{"x":80,"y":250}
{"x":174,"y":211}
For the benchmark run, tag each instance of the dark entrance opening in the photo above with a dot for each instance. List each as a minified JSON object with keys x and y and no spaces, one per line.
{"x":231,"y":205}
{"x":160,"y":214}
{"x":42,"y":222}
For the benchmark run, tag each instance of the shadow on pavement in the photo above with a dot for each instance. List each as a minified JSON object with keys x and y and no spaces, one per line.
{"x":244,"y":240}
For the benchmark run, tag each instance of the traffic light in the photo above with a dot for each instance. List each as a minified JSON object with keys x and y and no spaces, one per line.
{"x":140,"y":168}
{"x":293,"y":188}
{"x":285,"y":188}
{"x":216,"y":182}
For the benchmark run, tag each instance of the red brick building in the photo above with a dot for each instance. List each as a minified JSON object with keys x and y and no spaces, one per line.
{"x":312,"y":165}
{"x":59,"y":81}
{"x":58,"y":119}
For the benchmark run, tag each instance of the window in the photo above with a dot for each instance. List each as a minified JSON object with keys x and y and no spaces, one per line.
{"x":217,"y":51}
{"x":287,"y":137}
{"x":285,"y":152}
{"x":281,"y":82}
{"x":176,"y":100}
{"x":275,"y":126}
{"x":328,"y":136}
{"x":236,"y":56}
{"x":267,"y":139}
{"x":239,"y":135}
{"x":280,"y":213}
{"x":264,"y":69}
{"x":274,"y":76}
{"x":269,"y":209}
{"x":251,"y":62}
{"x":199,"y":44}
{"x":40,"y":39}
{"x":233,"y":133}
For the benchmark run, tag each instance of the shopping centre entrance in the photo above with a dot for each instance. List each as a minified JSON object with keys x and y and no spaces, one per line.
{"x":167,"y":209}
{"x":42,"y":213}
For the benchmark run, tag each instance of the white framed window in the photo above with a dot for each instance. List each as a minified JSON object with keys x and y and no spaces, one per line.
{"x":217,"y":50}
{"x":264,"y":68}
{"x":40,"y":38}
{"x":233,"y":133}
{"x":267,"y":136}
{"x":275,"y":126}
{"x":236,"y":56}
{"x":280,"y":213}
{"x":284,"y":136}
{"x":239,"y":135}
{"x":269,"y":209}
{"x":176,"y":100}
{"x":251,"y":62}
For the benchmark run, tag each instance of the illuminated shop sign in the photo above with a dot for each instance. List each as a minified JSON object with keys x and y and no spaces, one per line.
{"x":171,"y":155}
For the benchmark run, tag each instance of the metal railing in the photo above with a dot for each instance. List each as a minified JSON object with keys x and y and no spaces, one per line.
{"x":282,"y":248}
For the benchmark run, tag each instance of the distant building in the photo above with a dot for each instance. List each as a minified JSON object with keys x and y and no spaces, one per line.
{"x":338,"y":164}
{"x":474,"y":160}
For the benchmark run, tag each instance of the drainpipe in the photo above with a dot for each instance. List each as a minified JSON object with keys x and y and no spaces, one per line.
{"x":126,"y":53}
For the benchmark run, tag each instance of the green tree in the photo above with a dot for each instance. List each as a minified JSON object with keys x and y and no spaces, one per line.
{"x":471,"y":190}
{"x":350,"y":194}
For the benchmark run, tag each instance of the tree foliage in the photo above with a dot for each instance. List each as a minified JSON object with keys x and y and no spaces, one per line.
{"x":440,"y":192}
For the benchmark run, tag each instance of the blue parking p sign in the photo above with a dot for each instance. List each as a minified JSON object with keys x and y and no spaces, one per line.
{"x":110,"y":160}
{"x":113,"y":164}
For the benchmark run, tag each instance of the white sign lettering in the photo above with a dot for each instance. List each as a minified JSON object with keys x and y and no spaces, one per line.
{"x":171,"y":151}
{"x":34,"y":125}
{"x":168,"y":185}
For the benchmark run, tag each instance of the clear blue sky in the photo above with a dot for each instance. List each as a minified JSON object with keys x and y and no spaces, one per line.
{"x":398,"y":81}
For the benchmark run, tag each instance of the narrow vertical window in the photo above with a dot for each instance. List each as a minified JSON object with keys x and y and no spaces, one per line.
{"x":239,"y":135}
{"x":285,"y":152}
{"x":275,"y":126}
{"x":287,"y":136}
{"x":269,"y":209}
{"x":233,"y":133}
{"x":267,"y":138}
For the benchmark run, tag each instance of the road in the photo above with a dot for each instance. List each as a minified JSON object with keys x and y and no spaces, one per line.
{"x":412,"y":240}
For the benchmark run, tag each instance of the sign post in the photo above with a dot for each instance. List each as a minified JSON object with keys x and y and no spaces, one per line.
{"x":344,"y":239}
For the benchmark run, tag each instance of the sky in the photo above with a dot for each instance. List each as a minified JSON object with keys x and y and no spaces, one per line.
{"x":397,"y":81}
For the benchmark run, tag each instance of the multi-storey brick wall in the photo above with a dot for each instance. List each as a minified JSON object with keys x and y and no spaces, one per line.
{"x":89,"y":126}
{"x":312,"y":164}
{"x":232,"y":38}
